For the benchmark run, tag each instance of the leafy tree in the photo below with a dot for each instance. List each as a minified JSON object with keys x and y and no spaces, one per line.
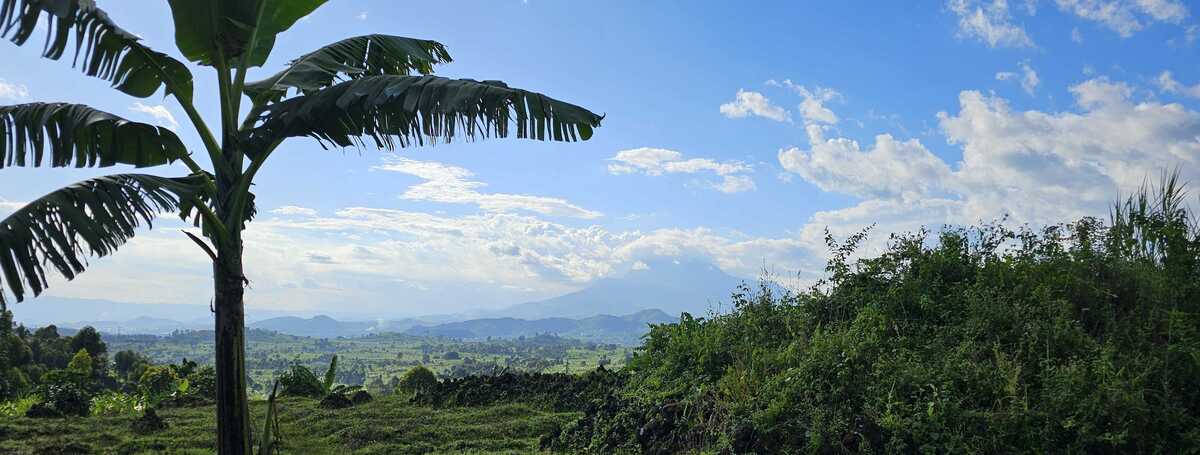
{"x":81,"y":363}
{"x":374,"y":86}
{"x":126,"y":362}
{"x":157,"y":382}
{"x":87,"y":338}
{"x":417,"y":380}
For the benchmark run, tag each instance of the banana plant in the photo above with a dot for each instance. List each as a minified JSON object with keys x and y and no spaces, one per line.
{"x":365,"y":90}
{"x":328,"y":384}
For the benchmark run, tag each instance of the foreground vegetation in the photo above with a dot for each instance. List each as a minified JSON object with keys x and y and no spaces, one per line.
{"x":388,"y":425}
{"x":1081,"y":338}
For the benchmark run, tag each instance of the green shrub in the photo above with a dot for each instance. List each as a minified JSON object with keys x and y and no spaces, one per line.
{"x":299,"y":381}
{"x":416,"y":380}
{"x":117,"y":403}
{"x":18,"y":407}
{"x":65,"y":391}
{"x":1078,"y":338}
{"x":203,"y":383}
{"x":157,"y":383}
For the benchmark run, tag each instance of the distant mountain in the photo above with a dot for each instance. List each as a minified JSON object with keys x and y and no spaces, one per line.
{"x":140,"y":325}
{"x":327,"y":327}
{"x":70,"y":312}
{"x":604,"y":329}
{"x":671,"y":286}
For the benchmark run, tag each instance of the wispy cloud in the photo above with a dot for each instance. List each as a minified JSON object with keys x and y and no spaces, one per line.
{"x":1126,"y":17}
{"x":1167,"y":83}
{"x":989,"y":22}
{"x":812,"y":108}
{"x":747,"y":103}
{"x":12,"y":91}
{"x":294,"y":210}
{"x":160,"y":113}
{"x":1028,"y":78}
{"x":656,"y":161}
{"x":452,"y":185}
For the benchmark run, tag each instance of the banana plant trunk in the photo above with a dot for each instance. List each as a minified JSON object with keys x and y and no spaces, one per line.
{"x":229,"y":279}
{"x":233,"y":424}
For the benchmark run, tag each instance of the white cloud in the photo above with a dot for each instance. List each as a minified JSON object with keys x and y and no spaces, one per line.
{"x":749,"y":103}
{"x":362,"y":16}
{"x":655,"y":161}
{"x":450,"y":184}
{"x":1167,"y":83}
{"x":13,"y":91}
{"x":889,"y":169}
{"x":294,"y":210}
{"x":990,"y":23}
{"x":812,"y":108}
{"x":1038,"y":167}
{"x":159,"y":112}
{"x":1076,"y":35}
{"x":1126,"y":17}
{"x":1050,"y":167}
{"x":1028,"y":78}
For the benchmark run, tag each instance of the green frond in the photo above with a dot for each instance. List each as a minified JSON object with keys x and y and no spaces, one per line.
{"x":398,"y":111}
{"x":94,"y":216}
{"x":80,"y":136}
{"x":351,"y":58}
{"x":102,"y":48}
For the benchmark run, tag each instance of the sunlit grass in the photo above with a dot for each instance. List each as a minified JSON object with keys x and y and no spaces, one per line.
{"x":388,"y":425}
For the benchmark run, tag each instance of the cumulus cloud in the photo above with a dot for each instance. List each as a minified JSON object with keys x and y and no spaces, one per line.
{"x":989,"y":22}
{"x":1167,"y":83}
{"x":160,"y":113}
{"x":452,"y":185}
{"x":1038,"y":167}
{"x":748,"y":103}
{"x":12,"y":91}
{"x":656,"y":161}
{"x":1126,"y":17}
{"x":294,"y":210}
{"x":888,"y":169}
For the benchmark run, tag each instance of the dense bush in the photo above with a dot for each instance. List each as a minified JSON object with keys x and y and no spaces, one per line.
{"x":1080,"y":338}
{"x":299,"y":381}
{"x":65,"y":392}
{"x":559,"y":391}
{"x":158,"y":383}
{"x":416,"y":380}
{"x":203,"y":383}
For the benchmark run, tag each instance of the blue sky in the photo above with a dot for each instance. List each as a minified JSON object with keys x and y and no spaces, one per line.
{"x":734,"y":134}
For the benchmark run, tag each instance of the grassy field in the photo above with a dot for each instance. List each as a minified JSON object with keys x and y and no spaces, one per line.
{"x":382,"y":357}
{"x":388,"y":425}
